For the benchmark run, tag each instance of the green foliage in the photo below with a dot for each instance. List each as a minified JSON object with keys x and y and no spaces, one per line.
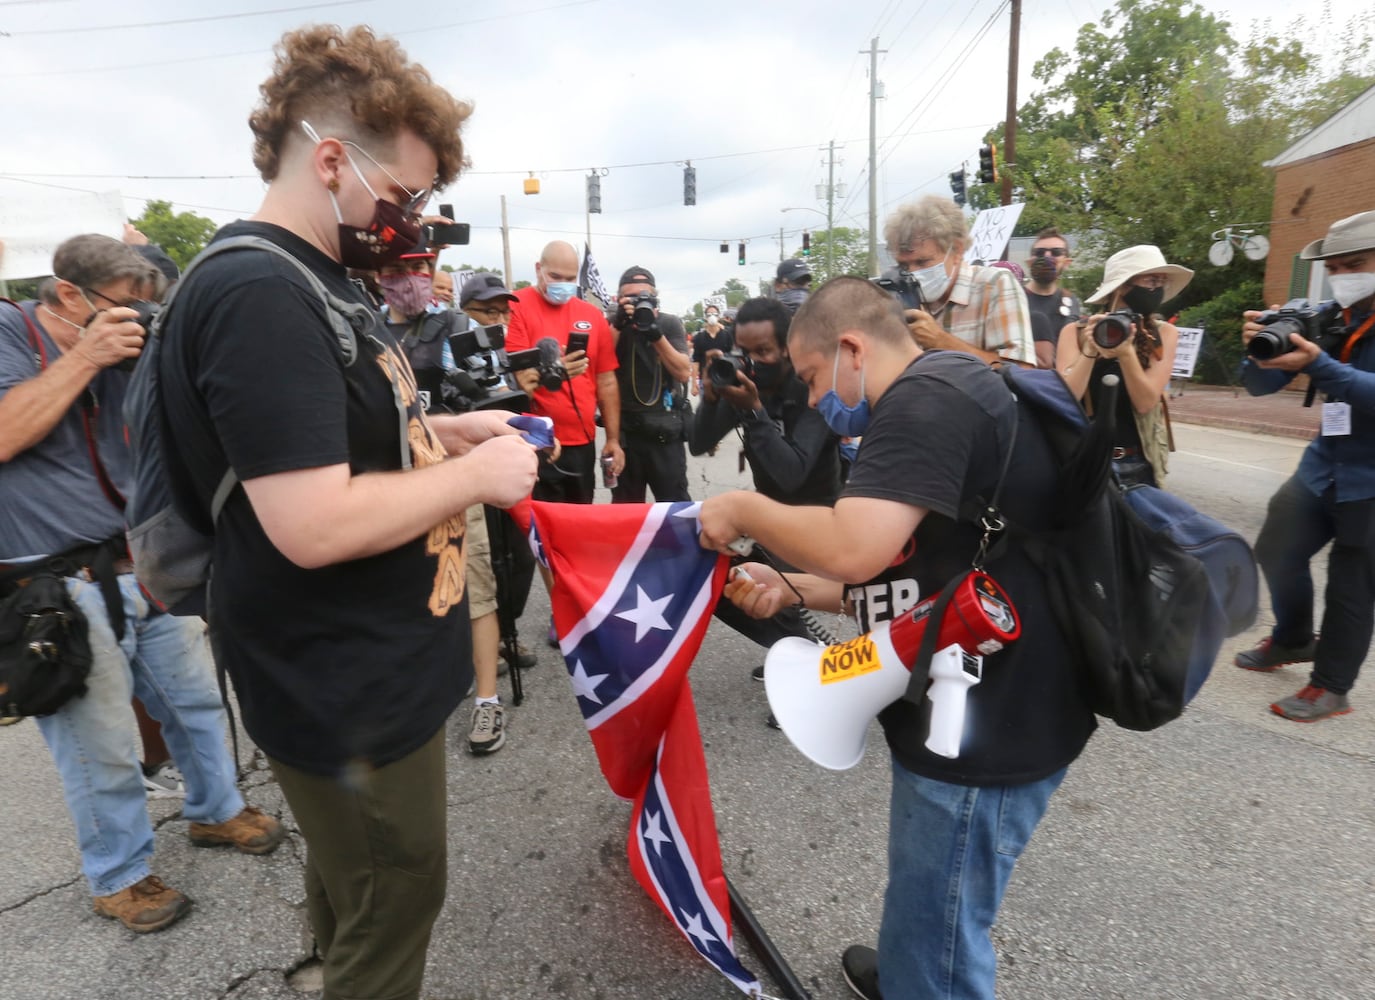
{"x":735,"y":291}
{"x":844,"y":250}
{"x":519,"y":285}
{"x":182,"y":235}
{"x":1221,"y":320}
{"x":23,"y":289}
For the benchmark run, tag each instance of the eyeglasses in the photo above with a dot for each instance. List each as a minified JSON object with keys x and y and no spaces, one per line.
{"x":114,"y":302}
{"x":416,"y":200}
{"x":1049,"y":252}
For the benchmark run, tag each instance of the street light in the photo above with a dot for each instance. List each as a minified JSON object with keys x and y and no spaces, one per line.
{"x":830,"y":251}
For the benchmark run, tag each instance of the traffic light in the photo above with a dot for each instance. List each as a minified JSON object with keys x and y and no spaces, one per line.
{"x":741,"y":255}
{"x":594,"y":193}
{"x":988,"y":164}
{"x":806,"y":243}
{"x":957,"y":187}
{"x":725,"y":248}
{"x":689,"y":185}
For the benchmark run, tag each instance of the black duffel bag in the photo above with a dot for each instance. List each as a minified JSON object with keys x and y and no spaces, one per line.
{"x":45,"y":653}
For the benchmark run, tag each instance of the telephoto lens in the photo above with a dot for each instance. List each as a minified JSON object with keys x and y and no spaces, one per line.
{"x":1274,"y":340}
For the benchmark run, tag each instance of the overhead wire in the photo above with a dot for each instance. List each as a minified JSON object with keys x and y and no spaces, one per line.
{"x":81,"y":29}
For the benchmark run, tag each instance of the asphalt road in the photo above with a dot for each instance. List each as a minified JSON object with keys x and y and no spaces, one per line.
{"x":1230,"y":855}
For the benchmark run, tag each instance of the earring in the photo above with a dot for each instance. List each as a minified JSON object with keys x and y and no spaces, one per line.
{"x":333,"y":184}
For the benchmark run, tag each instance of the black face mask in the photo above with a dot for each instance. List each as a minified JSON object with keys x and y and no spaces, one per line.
{"x":1143,"y":301}
{"x":767,"y":374}
{"x":1043,"y":270}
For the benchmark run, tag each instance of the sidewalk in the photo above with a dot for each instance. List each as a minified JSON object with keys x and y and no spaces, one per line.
{"x":1281,"y":414}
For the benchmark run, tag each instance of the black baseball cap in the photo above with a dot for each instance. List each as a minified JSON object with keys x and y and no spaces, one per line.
{"x":794,"y":271}
{"x":638,"y":275}
{"x":483,"y":288}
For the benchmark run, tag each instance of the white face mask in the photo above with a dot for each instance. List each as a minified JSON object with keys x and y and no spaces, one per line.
{"x":1348,"y":289}
{"x":932,"y":280}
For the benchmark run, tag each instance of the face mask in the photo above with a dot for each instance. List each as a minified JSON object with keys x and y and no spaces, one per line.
{"x":392,"y":232}
{"x":1043,"y":270}
{"x":847,"y":421}
{"x":767,"y":374}
{"x":559,"y":292}
{"x":933,"y":281}
{"x":1348,"y":289}
{"x":407,"y":295}
{"x":1143,"y":301}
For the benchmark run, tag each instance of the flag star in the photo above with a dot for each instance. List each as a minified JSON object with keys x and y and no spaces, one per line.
{"x":654,"y":832}
{"x":691,"y":510}
{"x":647,"y":614}
{"x":585,"y":686}
{"x":694,"y":929}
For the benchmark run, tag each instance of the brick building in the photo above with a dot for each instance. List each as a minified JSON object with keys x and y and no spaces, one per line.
{"x":1325,"y":175}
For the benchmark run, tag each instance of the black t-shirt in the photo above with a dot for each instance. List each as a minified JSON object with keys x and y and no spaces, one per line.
{"x":1060,"y":309}
{"x":703,"y":341}
{"x":642,"y":377}
{"x":360,"y":662}
{"x":936,"y":440}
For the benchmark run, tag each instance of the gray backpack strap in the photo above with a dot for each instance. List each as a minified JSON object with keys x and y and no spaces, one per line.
{"x":348,"y":320}
{"x":221,"y":497}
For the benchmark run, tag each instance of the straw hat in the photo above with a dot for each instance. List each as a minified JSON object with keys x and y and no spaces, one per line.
{"x":1145,"y":259}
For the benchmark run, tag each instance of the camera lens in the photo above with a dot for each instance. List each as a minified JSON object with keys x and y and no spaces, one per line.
{"x":1112,"y":330}
{"x":723,"y":372}
{"x":1273,"y":340}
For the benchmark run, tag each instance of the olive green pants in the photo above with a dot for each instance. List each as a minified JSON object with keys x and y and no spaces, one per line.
{"x":376,"y":866}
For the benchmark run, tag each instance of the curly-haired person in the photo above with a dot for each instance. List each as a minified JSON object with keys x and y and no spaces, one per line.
{"x":338,"y":603}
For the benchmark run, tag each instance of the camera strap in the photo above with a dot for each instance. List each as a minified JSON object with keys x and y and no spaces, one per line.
{"x":1356,"y":335}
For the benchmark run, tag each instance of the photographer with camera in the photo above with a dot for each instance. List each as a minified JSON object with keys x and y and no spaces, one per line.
{"x":963,"y":307}
{"x":549,"y":313}
{"x":1132,"y":341}
{"x":1331,"y":497}
{"x":714,"y":336}
{"x":654,"y":367}
{"x":65,"y":469}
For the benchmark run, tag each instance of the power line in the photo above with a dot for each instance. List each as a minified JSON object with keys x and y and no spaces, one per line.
{"x":429,"y":28}
{"x":183,"y":20}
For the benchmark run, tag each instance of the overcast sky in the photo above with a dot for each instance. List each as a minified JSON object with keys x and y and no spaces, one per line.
{"x":750,"y":92}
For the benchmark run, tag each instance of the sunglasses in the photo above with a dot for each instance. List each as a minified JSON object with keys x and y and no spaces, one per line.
{"x":1049,"y":252}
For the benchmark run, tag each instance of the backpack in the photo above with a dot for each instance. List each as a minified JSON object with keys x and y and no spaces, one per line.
{"x":171,"y":553}
{"x":1144,"y":586}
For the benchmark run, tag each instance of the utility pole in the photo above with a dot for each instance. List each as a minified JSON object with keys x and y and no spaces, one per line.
{"x":505,"y":245}
{"x":781,"y":256}
{"x":1010,"y":124}
{"x":830,"y":212}
{"x":873,"y":50}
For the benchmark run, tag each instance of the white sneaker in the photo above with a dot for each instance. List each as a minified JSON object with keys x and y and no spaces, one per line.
{"x":488,"y":731}
{"x":164,"y":782}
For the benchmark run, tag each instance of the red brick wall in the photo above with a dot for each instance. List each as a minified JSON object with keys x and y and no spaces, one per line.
{"x":1310,"y":195}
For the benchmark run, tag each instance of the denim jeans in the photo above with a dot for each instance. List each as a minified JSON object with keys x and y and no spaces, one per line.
{"x":166,"y":662}
{"x":951,"y":850}
{"x":1297,"y":526}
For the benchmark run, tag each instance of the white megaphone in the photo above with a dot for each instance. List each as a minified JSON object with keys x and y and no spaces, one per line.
{"x":824,"y":697}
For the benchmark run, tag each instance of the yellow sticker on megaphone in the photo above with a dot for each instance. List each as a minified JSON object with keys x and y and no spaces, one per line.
{"x":850,"y":659}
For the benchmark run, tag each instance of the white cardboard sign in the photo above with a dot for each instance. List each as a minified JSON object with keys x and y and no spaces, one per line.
{"x":990,"y":232}
{"x":1186,"y":352}
{"x":34,"y":222}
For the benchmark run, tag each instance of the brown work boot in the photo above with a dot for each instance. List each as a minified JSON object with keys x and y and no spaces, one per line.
{"x":145,"y":906}
{"x":252,"y":831}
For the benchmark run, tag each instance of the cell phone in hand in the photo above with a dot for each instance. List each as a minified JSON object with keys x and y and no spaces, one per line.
{"x":577,"y":342}
{"x":454,"y":234}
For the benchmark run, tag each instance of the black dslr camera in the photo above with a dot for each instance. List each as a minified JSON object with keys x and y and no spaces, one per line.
{"x":1315,"y":323}
{"x":725,"y":371}
{"x":546,"y":357}
{"x":904,"y":288}
{"x":481,"y":380}
{"x":643,"y":312}
{"x":147,"y":312}
{"x":1115,"y":328}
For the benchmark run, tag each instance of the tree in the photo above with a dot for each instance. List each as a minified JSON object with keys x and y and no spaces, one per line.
{"x":841,"y":251}
{"x":1155,"y":128}
{"x":182,"y":235}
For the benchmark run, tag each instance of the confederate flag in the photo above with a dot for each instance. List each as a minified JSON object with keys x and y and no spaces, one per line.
{"x":633,"y":595}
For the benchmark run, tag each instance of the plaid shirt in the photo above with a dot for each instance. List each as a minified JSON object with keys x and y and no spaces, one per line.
{"x":987,"y":308}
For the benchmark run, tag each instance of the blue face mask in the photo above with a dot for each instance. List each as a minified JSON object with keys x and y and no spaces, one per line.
{"x":847,"y":421}
{"x":559,"y":292}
